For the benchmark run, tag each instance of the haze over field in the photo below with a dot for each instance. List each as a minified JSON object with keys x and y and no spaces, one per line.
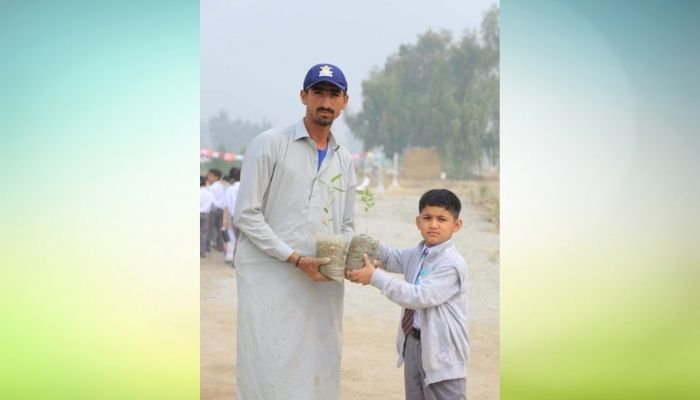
{"x":254,"y":54}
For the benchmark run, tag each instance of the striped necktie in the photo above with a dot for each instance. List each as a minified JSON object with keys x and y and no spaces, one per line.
{"x":407,"y":320}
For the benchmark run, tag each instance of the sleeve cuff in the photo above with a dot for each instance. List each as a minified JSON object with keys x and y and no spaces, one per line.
{"x":282,"y":251}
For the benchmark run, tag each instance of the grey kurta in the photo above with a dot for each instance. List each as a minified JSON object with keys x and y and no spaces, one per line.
{"x":289,"y":327}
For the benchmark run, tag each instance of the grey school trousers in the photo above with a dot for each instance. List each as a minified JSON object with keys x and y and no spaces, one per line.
{"x":203,"y":231}
{"x":216,"y":221}
{"x":414,"y":376}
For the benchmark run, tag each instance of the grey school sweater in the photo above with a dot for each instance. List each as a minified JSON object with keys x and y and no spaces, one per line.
{"x":440,"y":297}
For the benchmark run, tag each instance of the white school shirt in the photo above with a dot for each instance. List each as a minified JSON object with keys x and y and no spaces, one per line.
{"x":206,"y":200}
{"x":218,"y":190}
{"x":230,"y":197}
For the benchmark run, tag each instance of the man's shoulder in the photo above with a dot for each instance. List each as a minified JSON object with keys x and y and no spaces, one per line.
{"x":343,"y":152}
{"x":338,"y":147}
{"x":276,"y":133}
{"x":272,"y":138}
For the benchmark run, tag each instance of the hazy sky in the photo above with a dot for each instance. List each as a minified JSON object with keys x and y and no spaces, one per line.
{"x":255,"y":53}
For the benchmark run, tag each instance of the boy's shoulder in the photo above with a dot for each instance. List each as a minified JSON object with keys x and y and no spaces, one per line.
{"x":446,"y":254}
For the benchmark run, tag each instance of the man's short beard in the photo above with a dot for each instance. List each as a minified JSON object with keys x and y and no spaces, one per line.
{"x":323,"y":121}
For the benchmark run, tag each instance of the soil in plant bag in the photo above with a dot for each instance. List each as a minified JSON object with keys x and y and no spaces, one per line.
{"x":334,"y":247}
{"x":359,"y":246}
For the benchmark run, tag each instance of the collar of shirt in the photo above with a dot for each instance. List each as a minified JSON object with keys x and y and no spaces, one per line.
{"x":426,"y":252}
{"x":435,"y":249}
{"x":300,"y":132}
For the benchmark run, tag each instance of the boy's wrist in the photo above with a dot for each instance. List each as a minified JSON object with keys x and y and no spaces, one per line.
{"x":371,"y":275}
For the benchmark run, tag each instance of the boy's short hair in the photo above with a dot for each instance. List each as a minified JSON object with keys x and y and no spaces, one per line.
{"x":202,"y":181}
{"x":216,"y":172}
{"x":441,"y":198}
{"x":235,"y":174}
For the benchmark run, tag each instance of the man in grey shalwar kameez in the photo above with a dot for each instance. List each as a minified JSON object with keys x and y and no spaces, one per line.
{"x":289,"y":315}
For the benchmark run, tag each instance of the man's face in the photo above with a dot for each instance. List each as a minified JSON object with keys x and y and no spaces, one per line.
{"x":324,"y":102}
{"x":211,"y":178}
{"x":437,"y":225}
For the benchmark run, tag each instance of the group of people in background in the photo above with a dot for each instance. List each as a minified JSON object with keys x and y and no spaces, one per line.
{"x":217,"y":201}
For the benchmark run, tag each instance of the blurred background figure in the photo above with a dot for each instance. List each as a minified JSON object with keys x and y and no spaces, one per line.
{"x":233,"y":178}
{"x":217,"y":213}
{"x":206,"y":201}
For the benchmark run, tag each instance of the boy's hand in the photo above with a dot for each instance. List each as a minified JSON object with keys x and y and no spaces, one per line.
{"x":363,"y":275}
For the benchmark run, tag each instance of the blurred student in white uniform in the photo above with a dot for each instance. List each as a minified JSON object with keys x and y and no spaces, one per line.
{"x":234,"y":176}
{"x":217,"y":212}
{"x":206,"y":201}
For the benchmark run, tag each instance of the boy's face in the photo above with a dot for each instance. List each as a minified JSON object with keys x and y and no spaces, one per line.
{"x":437,"y":225}
{"x":211,"y":178}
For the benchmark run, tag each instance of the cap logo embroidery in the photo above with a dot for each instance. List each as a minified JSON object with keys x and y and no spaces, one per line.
{"x":325,"y":71}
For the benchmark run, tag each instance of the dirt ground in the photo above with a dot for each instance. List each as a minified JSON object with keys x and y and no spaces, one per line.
{"x":370,"y":320}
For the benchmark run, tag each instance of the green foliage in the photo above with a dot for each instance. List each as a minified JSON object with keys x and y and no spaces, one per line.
{"x":437,"y":92}
{"x":329,"y":198}
{"x":335,"y":178}
{"x":232,"y":135}
{"x":366,"y":198}
{"x":225,"y":135}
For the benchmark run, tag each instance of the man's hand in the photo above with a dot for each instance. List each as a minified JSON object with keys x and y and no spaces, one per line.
{"x":363,"y":275}
{"x":309,"y":265}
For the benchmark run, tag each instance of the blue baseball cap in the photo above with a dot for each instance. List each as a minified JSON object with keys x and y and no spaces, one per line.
{"x":325,"y":73}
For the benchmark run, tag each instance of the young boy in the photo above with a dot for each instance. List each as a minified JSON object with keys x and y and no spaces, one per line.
{"x":216,"y":216}
{"x":230,"y":196}
{"x":206,"y":200}
{"x":432,"y":342}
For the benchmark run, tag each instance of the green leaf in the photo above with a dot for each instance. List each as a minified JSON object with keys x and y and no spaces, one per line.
{"x":335,"y":178}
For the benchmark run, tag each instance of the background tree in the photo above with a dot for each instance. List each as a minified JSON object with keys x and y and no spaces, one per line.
{"x":437,"y":93}
{"x":232,"y":135}
{"x":225,"y":135}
